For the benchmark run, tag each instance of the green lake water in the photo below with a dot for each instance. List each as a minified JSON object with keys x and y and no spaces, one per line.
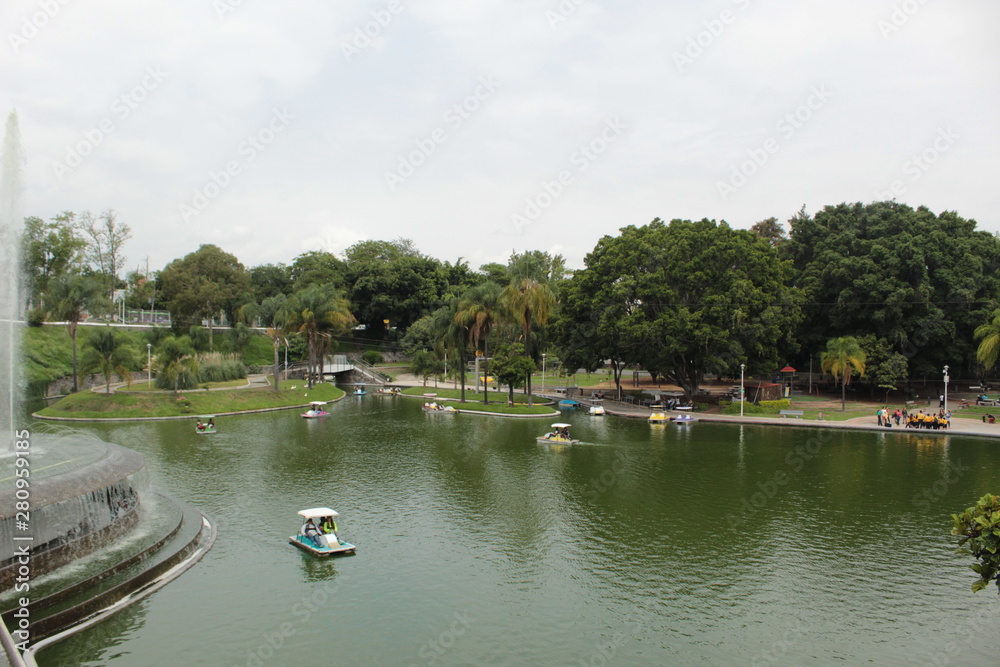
{"x":708,"y":544}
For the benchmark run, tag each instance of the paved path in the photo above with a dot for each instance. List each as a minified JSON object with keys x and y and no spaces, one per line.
{"x":960,"y":425}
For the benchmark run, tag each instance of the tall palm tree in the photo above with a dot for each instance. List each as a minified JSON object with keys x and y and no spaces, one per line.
{"x":479,"y":310}
{"x":71,"y":297}
{"x":274,"y":314}
{"x":529,"y":301}
{"x":842,"y":358}
{"x":452,"y":336}
{"x":318,"y":312}
{"x":107,"y":354}
{"x":989,"y":348}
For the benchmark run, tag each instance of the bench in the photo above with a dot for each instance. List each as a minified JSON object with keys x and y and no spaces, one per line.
{"x":911,"y":404}
{"x":793,"y":413}
{"x":990,"y":403}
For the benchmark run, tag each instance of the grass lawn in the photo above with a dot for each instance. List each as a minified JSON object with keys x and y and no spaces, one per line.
{"x":145,"y":386}
{"x":88,"y":405}
{"x":497,"y":404}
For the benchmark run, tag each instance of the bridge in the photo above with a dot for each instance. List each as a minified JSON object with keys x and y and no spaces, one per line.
{"x":339,"y":364}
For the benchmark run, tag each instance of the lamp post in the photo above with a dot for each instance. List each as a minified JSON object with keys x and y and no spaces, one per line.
{"x":543,"y":371}
{"x":149,"y":364}
{"x":742,"y":367}
{"x":946,"y":390}
{"x":285,"y":372}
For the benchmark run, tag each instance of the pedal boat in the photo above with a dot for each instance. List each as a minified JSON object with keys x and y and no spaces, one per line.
{"x":332,"y":544}
{"x":315,"y":410}
{"x":559,"y":435}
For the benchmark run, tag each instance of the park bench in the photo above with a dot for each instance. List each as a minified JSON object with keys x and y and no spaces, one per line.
{"x":793,"y":413}
{"x":911,"y":404}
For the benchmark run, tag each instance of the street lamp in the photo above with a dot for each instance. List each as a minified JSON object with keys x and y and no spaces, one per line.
{"x":149,"y":364}
{"x":742,"y":367}
{"x":285,"y":373}
{"x":946,"y":390}
{"x":543,"y":371}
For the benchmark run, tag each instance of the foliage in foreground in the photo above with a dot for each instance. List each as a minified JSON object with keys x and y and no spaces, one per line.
{"x":978,"y":530}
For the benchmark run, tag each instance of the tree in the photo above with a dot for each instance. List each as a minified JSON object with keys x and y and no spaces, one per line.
{"x":770,"y":230}
{"x":267,"y":280}
{"x":451,"y":337}
{"x":318,"y":313}
{"x":425,"y":365}
{"x":884,"y":368}
{"x":317,"y":267}
{"x":70,"y":298}
{"x":843,"y":357}
{"x":202,"y":284}
{"x":49,"y":250}
{"x":104,"y":251}
{"x":478,"y":311}
{"x":922,"y":282}
{"x":989,"y":346}
{"x":273,"y":312}
{"x":511,"y":366}
{"x":681,"y":300}
{"x":107,"y":354}
{"x":978,"y":530}
{"x":176,"y":364}
{"x":530,"y":302}
{"x":395,"y":287}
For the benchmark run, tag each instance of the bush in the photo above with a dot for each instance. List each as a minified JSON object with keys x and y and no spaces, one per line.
{"x":775,"y":406}
{"x":216,"y":367}
{"x":36,"y":317}
{"x":748,"y":409}
{"x":372,"y":357}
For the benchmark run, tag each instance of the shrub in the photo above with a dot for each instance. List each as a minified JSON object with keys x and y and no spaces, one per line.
{"x":748,"y":409}
{"x":216,"y":367}
{"x":775,"y":406}
{"x":371,"y":357}
{"x":36,"y":317}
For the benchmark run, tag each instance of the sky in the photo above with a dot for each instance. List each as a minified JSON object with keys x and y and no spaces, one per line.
{"x":478,"y":129}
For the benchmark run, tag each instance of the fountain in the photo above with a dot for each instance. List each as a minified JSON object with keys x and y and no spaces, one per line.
{"x":81,"y":533}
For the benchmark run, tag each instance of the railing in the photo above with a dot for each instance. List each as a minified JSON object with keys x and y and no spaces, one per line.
{"x":365,"y":368}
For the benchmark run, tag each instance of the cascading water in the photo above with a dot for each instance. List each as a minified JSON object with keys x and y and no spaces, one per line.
{"x":10,"y":276}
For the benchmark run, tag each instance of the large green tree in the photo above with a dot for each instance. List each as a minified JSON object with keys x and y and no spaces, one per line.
{"x":922,"y":282}
{"x":978,"y":530}
{"x":49,"y":250}
{"x":681,"y":300}
{"x":203,"y":284}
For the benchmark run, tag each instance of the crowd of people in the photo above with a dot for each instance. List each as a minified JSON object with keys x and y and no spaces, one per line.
{"x":918,"y":419}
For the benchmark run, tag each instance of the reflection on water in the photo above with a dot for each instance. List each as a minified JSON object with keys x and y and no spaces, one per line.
{"x":471,"y":534}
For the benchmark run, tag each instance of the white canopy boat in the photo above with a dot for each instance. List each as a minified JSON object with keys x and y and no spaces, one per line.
{"x":315,"y":410}
{"x":318,"y":534}
{"x":559,"y":435}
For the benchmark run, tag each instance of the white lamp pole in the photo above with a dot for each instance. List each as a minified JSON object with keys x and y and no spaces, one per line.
{"x":285,"y":373}
{"x":149,"y":364}
{"x":543,"y":371}
{"x":742,"y":367}
{"x":946,"y":389}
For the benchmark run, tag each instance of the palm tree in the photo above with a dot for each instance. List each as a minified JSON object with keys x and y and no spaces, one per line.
{"x":529,"y":301}
{"x":175,"y":358}
{"x":989,"y":349}
{"x":843,"y":357}
{"x":452,"y":336}
{"x":479,"y":310}
{"x":106,"y":353}
{"x":273,"y":313}
{"x":318,"y":313}
{"x":72,"y":295}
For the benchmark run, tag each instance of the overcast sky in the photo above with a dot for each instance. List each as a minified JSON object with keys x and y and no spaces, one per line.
{"x":478,"y":128}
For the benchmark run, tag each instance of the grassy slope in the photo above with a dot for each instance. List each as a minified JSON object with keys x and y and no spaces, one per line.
{"x":498,"y":401}
{"x":90,"y":405}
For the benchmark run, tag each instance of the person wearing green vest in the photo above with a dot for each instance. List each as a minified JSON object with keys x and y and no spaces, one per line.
{"x":329,"y":526}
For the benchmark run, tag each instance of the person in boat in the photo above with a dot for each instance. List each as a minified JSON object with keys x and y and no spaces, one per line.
{"x":328,"y":526}
{"x":310,"y":531}
{"x":200,"y":426}
{"x":211,"y":423}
